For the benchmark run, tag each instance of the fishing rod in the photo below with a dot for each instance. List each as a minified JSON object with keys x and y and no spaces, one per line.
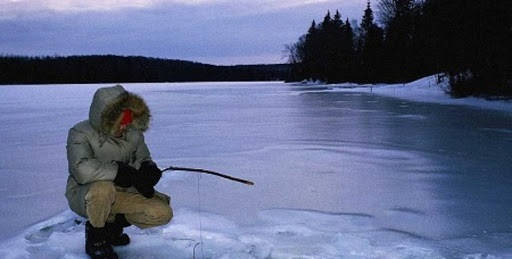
{"x":204,"y":171}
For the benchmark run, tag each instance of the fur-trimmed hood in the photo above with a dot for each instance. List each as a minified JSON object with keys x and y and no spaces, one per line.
{"x":109,"y":102}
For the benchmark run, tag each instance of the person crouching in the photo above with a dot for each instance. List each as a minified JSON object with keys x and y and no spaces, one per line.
{"x":111,"y":174}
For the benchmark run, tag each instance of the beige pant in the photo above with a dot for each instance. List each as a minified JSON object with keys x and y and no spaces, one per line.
{"x":103,"y":201}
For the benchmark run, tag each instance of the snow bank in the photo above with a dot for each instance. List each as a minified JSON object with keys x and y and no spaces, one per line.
{"x":425,"y":89}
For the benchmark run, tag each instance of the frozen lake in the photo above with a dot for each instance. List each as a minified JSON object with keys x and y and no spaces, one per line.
{"x":438,"y":176}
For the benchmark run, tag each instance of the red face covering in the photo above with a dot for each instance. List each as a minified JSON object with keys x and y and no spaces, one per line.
{"x":127,"y":118}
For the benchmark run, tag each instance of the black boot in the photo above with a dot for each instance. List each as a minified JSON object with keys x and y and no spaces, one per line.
{"x":115,"y":235}
{"x":96,"y":245}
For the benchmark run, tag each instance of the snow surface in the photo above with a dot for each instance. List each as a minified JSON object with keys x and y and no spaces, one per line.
{"x":341,"y":171}
{"x":280,"y":233}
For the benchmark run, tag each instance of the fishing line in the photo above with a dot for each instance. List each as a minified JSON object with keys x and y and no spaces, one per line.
{"x":200,"y":220}
{"x":204,"y":171}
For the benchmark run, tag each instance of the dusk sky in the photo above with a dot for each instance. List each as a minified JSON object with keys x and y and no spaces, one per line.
{"x":209,"y":31}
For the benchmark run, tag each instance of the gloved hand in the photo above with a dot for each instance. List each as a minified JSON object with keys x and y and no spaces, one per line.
{"x":124,"y":174}
{"x":150,"y":170}
{"x":128,"y":176}
{"x":145,"y":189}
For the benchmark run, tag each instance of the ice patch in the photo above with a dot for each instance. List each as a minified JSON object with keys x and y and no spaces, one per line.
{"x":412,"y":116}
{"x":408,"y":211}
{"x":310,"y":88}
{"x":359,"y":110}
{"x":318,"y":220}
{"x":480,"y":256}
{"x":504,"y":131}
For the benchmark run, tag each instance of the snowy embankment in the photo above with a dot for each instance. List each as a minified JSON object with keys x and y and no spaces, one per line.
{"x":426,"y":89}
{"x":280,"y":233}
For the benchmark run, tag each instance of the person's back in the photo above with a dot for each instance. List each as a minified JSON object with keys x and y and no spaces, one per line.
{"x":111,"y":174}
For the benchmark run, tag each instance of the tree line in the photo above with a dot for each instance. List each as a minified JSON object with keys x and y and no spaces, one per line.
{"x":467,"y":41}
{"x":114,"y":69}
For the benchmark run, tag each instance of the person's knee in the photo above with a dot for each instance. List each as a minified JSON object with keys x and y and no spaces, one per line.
{"x":103,"y":191}
{"x":161,"y":214}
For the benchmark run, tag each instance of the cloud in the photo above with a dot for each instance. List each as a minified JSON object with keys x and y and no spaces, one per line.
{"x":213,"y":31}
{"x":25,"y":6}
{"x":21,"y":7}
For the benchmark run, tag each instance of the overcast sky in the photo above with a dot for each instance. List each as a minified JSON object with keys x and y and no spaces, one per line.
{"x":208,"y":31}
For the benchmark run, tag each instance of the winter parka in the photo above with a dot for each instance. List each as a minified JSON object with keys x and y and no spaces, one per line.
{"x":92,"y":148}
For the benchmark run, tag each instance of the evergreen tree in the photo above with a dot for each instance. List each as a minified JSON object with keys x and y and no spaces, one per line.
{"x":312,"y":52}
{"x":336,"y":70}
{"x":370,"y":49}
{"x":327,"y":51}
{"x":326,"y":23}
{"x":348,"y":53}
{"x":398,"y":19}
{"x":367,"y":21}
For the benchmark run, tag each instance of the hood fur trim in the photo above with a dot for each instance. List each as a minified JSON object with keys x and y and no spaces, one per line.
{"x":110,"y":117}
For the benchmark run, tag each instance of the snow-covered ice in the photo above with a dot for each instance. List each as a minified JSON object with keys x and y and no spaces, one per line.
{"x":341,"y":171}
{"x":280,"y":233}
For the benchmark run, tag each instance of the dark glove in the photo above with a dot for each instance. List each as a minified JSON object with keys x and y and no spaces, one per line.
{"x":124,"y":175}
{"x":145,"y":189}
{"x":150,"y":170}
{"x":128,"y":176}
